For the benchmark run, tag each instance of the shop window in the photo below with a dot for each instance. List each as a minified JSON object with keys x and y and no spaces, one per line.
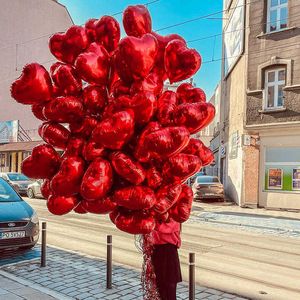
{"x":274,"y":84}
{"x":282,"y":169}
{"x":277,"y":15}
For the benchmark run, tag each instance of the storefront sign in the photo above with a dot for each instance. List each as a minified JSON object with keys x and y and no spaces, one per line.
{"x":9,"y":131}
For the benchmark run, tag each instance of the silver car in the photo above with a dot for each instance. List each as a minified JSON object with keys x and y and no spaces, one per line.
{"x":19,"y":181}
{"x":208,"y":187}
{"x":34,"y":189}
{"x":19,"y":223}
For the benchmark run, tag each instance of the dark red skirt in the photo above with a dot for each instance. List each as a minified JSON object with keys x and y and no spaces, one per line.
{"x":166,"y":264}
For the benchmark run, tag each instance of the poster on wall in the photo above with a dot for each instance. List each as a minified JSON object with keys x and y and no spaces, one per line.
{"x":233,"y":41}
{"x":9,"y":131}
{"x":234,"y":145}
{"x":275,"y":179}
{"x":296,"y":179}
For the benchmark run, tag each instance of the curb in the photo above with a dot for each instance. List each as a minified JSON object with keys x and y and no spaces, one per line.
{"x":35,"y":286}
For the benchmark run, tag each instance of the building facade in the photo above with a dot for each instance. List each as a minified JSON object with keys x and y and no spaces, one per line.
{"x":25,"y":28}
{"x":261,"y":102}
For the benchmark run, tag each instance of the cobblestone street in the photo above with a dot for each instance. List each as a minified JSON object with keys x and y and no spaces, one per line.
{"x":82,"y":277}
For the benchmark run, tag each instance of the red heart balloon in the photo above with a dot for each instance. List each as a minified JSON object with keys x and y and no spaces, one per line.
{"x":99,"y":206}
{"x":194,"y":116}
{"x":37,"y":110}
{"x":79,"y":209}
{"x":64,"y":109}
{"x":93,"y":150}
{"x":162,"y":143}
{"x":136,"y":57}
{"x":196,"y":147}
{"x":153,"y":83}
{"x":162,"y":44}
{"x":137,"y":20}
{"x":54,"y":134}
{"x":93,"y":64}
{"x":187,"y":93}
{"x":135,"y":197}
{"x":42,"y":163}
{"x":166,"y":197}
{"x":67,"y":46}
{"x":154,"y":178}
{"x":84,"y":127}
{"x":180,"y":167}
{"x":65,"y":79}
{"x":135,"y":222}
{"x":116,"y":131}
{"x":67,"y":180}
{"x":74,"y":147}
{"x":119,"y":88}
{"x":33,"y":86}
{"x":97,"y":180}
{"x":165,"y":107}
{"x":95,"y":99}
{"x":105,"y":31}
{"x":61,"y":205}
{"x":143,"y":105}
{"x":126,"y":167}
{"x":181,"y":62}
{"x":45,"y":189}
{"x":181,"y":211}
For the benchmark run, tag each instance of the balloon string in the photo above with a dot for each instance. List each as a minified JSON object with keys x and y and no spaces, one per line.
{"x":148,"y":278}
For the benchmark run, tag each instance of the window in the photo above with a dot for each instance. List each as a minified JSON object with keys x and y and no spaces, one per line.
{"x":296,"y":179}
{"x":274,"y":84}
{"x":277,"y":15}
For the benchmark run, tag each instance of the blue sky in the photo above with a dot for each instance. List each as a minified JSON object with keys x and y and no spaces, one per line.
{"x":165,"y":13}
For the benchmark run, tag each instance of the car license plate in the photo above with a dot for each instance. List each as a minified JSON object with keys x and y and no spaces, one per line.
{"x":12,"y":235}
{"x":209,"y":194}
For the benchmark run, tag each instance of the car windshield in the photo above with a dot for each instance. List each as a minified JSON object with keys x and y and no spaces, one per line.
{"x":7,"y":193}
{"x":17,"y":177}
{"x":207,"y":179}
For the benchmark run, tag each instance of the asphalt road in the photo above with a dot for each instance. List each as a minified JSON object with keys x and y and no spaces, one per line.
{"x":249,"y":264}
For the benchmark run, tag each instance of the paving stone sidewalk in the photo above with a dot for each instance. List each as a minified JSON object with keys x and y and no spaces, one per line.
{"x":81,"y":277}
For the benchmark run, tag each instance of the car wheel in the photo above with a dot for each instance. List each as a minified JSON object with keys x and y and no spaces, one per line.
{"x":30,"y":193}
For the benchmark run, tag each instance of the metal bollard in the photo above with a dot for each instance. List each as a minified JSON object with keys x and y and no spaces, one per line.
{"x":192,"y":276}
{"x":43,"y":246}
{"x":109,"y":263}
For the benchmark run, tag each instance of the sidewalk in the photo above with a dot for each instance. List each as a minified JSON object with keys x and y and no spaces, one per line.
{"x":259,"y":220}
{"x":70,"y":275}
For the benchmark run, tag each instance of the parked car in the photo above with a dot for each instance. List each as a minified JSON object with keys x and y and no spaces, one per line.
{"x":19,"y":223}
{"x":208,"y":187}
{"x":34,"y":189}
{"x":18,"y":180}
{"x":193,"y":178}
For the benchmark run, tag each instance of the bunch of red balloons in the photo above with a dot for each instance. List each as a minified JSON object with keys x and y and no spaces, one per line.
{"x":125,"y":143}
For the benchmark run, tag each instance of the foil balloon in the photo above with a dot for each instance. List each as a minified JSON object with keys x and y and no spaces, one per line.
{"x":42,"y":163}
{"x":64,"y":109}
{"x":54,"y":134}
{"x":114,"y":132}
{"x":33,"y":86}
{"x":166,"y":104}
{"x":154,"y":178}
{"x":95,"y":99}
{"x":99,"y":206}
{"x":67,"y":180}
{"x":126,"y":167}
{"x":74,"y":147}
{"x":92,"y":150}
{"x":61,"y":205}
{"x":67,"y":46}
{"x":66,"y":79}
{"x":136,"y":57}
{"x":187,"y":93}
{"x":181,"y":211}
{"x":37,"y":110}
{"x":97,"y":180}
{"x":79,"y":209}
{"x":45,"y":189}
{"x":194,"y":116}
{"x":181,"y":62}
{"x":137,"y":20}
{"x":93,"y":64}
{"x":83,"y":127}
{"x":135,"y":197}
{"x":105,"y":31}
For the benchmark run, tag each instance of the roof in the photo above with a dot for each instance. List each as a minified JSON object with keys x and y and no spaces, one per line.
{"x":19,"y":146}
